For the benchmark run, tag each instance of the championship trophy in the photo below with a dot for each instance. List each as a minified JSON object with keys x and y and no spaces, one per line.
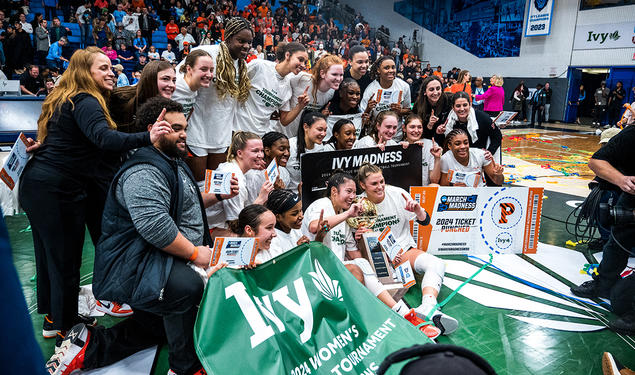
{"x":371,"y":249}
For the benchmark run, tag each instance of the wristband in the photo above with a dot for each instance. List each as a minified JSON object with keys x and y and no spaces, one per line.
{"x":194,"y":255}
{"x":219,"y":197}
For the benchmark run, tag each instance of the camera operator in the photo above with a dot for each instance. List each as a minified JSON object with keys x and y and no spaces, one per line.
{"x":613,"y":164}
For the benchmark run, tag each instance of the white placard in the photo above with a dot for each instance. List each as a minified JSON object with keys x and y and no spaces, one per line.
{"x":405,"y":275}
{"x":606,"y":35}
{"x":218,"y":182}
{"x":470,"y":179}
{"x":389,"y":244}
{"x":235,"y":251}
{"x":15,"y":163}
{"x":539,"y":17}
{"x":272,"y":172}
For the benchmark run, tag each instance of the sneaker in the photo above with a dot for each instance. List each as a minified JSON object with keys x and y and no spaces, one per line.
{"x":610,"y":366}
{"x":114,"y":309}
{"x":590,"y":289}
{"x":445,"y":322}
{"x":426,"y":327}
{"x":625,"y":324}
{"x":70,"y":356}
{"x":49,"y":332}
{"x":595,"y":245}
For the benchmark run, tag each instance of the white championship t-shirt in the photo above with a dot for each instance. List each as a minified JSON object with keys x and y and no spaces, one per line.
{"x":356,"y":119}
{"x":208,"y":125}
{"x":228,"y":209}
{"x":256,"y":178}
{"x":269,"y":90}
{"x":398,"y":92}
{"x":427,"y":161}
{"x":473,"y":168}
{"x":184,"y":95}
{"x":392,"y":212}
{"x":293,"y":165}
{"x":368,"y":142}
{"x":339,"y":239}
{"x":298,"y":84}
{"x":280,"y":244}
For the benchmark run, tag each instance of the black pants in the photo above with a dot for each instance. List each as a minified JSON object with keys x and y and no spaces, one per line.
{"x":536,"y":113}
{"x":614,"y":114}
{"x":59,"y":208}
{"x":147,"y":34}
{"x":598,"y":113}
{"x":171,"y":320}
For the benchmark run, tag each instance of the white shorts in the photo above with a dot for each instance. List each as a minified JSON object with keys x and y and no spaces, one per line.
{"x":202,"y":151}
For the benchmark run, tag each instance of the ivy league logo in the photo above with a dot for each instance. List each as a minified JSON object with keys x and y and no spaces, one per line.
{"x":540,"y":4}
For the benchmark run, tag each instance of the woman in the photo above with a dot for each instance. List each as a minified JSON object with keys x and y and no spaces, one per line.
{"x":209,"y":132}
{"x":576,"y":103}
{"x":329,"y":214}
{"x":381,"y":135}
{"x":157,"y":78}
{"x":396,"y":207}
{"x":345,"y":105}
{"x":276,"y":147}
{"x":287,"y":208}
{"x":257,"y":221}
{"x":481,"y":130}
{"x":432,"y":105}
{"x":153,"y":55}
{"x":430,"y":152}
{"x":111,"y":53}
{"x":139,"y":43}
{"x":309,"y":139}
{"x":245,"y":153}
{"x":269,"y":88}
{"x":462,"y":83}
{"x":386,"y":91}
{"x":494,"y":97}
{"x":344,"y":136}
{"x":518,"y":98}
{"x":63,"y":187}
{"x":472,"y":162}
{"x":196,"y":71}
{"x":479,"y":89}
{"x":311,"y":92}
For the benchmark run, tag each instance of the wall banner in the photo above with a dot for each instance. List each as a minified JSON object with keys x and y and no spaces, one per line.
{"x":607,"y":35}
{"x":539,"y":17}
{"x":478,"y":220}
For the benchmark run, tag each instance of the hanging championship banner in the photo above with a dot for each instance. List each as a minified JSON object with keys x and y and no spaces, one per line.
{"x":395,"y":161}
{"x":300,"y":313}
{"x":539,"y":17}
{"x":478,"y":220}
{"x":356,"y":119}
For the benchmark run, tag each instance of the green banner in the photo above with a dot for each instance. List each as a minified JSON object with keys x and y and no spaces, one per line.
{"x":300,"y":313}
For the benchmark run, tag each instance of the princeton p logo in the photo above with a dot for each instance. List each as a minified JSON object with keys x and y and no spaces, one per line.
{"x":506,"y":210}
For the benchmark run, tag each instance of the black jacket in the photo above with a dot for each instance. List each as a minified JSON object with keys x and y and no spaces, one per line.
{"x":127,"y":268}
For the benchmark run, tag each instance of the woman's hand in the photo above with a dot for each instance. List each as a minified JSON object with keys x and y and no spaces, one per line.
{"x":488,"y":155}
{"x":32,"y":145}
{"x":359,"y":232}
{"x":326,"y":112}
{"x":354,"y":210}
{"x":265,"y":189}
{"x":215,"y":268}
{"x":234,"y":189}
{"x":323,"y":228}
{"x":372,"y":103}
{"x":498,"y":169}
{"x":303,"y":99}
{"x":405,"y":144}
{"x":433,"y":120}
{"x":304,"y":239}
{"x":436,"y":151}
{"x":279,"y":184}
{"x":160,"y":128}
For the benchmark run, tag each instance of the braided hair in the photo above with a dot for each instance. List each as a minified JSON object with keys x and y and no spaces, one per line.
{"x":225,"y":72}
{"x":448,"y":138}
{"x":374,"y":69}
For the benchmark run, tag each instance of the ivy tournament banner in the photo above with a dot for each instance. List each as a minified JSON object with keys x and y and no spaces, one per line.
{"x":300,"y":313}
{"x":401,"y":167}
{"x":466,"y":220}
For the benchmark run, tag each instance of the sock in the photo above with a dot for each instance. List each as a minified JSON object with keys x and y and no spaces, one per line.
{"x":432,"y":269}
{"x":401,"y":308}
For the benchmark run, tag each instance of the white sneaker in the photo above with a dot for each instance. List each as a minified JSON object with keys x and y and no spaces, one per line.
{"x":445,"y":322}
{"x":114,"y":309}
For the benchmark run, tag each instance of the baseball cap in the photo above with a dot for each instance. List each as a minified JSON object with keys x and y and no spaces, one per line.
{"x":608,"y":134}
{"x":118,"y":67}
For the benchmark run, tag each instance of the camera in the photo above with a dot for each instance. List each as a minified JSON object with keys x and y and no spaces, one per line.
{"x":615,"y":215}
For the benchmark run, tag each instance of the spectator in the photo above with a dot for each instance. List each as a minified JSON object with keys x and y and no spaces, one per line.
{"x":538,"y":101}
{"x":147,"y":25}
{"x":172,"y":30}
{"x":18,"y":49}
{"x":27,"y":27}
{"x":168,"y":55}
{"x":143,"y":60}
{"x":479,"y":89}
{"x":57,"y":31}
{"x":601,"y":96}
{"x":122,"y":36}
{"x":42,"y":42}
{"x":183,"y":37}
{"x":494,"y":97}
{"x":119,"y":14}
{"x":54,"y":59}
{"x":548,"y":93}
{"x":101,"y":33}
{"x":140,"y":44}
{"x":153,"y":55}
{"x":84,"y":20}
{"x":111,"y":53}
{"x":124,"y":53}
{"x":49,"y":85}
{"x":131,"y":22}
{"x":616,"y":97}
{"x":50,"y":7}
{"x":438,"y":72}
{"x":122,"y":79}
{"x":101,"y":4}
{"x":30,"y":82}
{"x":136,"y":76}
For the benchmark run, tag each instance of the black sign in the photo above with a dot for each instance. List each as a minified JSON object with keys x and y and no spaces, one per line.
{"x":401,"y":167}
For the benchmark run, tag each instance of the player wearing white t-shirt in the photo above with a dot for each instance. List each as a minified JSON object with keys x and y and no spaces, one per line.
{"x":276,"y":147}
{"x":329,"y":214}
{"x":382,"y":133}
{"x":197,"y":72}
{"x":344,"y":136}
{"x":270,"y":88}
{"x":395,"y":208}
{"x":309,"y":139}
{"x":386,"y":91}
{"x":465,"y":166}
{"x":430,"y":152}
{"x":256,"y":221}
{"x":209,"y":131}
{"x":311,"y":92}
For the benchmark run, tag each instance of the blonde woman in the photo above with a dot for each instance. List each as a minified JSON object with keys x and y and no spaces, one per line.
{"x":63,"y":187}
{"x":209,"y":131}
{"x":494,"y":97}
